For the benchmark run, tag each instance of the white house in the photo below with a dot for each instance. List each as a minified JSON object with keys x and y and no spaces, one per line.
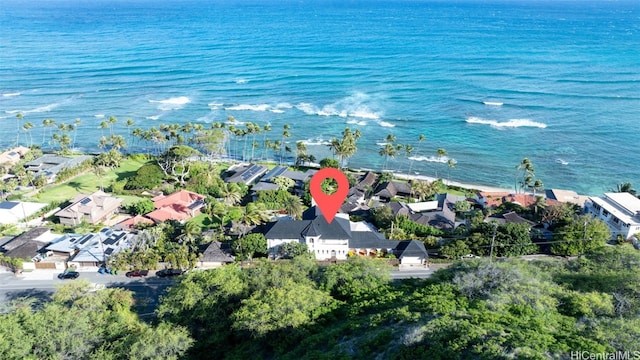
{"x":620,"y":211}
{"x":337,"y":239}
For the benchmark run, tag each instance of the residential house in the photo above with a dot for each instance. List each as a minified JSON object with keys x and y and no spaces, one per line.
{"x":93,"y":209}
{"x":12,"y":212}
{"x":391,"y":189}
{"x":215,"y":255}
{"x":566,"y":196}
{"x":439,"y":213}
{"x":180,"y":206}
{"x":49,"y":165}
{"x":299,"y":178}
{"x":247,"y":174}
{"x":28,"y":244}
{"x":620,"y":211}
{"x":131,"y":223}
{"x":335,"y":240}
{"x":12,"y":156}
{"x":90,"y":250}
{"x":411,"y":252}
{"x":492,"y":200}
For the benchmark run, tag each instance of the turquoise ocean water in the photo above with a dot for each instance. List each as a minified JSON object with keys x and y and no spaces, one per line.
{"x":566,"y":72}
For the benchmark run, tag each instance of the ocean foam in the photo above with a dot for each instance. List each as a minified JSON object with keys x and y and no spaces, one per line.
{"x":241,"y":81}
{"x":512,"y":123}
{"x":11,"y":94}
{"x":155,"y":117}
{"x":284,"y":106}
{"x":437,"y":159}
{"x":174,"y":103}
{"x":215,"y":106}
{"x":493,"y":103}
{"x":98,"y":116}
{"x":358,"y":105}
{"x":41,"y":109}
{"x":386,"y":124}
{"x":356,"y":122}
{"x":248,"y":107}
{"x":562,"y":161}
{"x":315,"y":142}
{"x":277,"y":111}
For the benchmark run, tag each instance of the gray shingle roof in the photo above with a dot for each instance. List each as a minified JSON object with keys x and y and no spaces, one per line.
{"x":413,"y":248}
{"x":25,"y":237}
{"x":217,"y":252}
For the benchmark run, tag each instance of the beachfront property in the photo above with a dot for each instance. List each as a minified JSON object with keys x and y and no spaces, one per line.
{"x":299,"y":178}
{"x":247,"y":174}
{"x":93,"y":209}
{"x":620,"y":211}
{"x":12,"y":156}
{"x":337,"y":240}
{"x":182,"y":205}
{"x":12,"y":212}
{"x":49,"y":165}
{"x":492,"y":200}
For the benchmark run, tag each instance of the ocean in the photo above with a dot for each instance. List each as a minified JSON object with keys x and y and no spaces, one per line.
{"x":491,"y":82}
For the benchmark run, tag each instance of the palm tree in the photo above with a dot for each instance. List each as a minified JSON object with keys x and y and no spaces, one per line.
{"x":625,"y":187}
{"x":387,"y":151}
{"x":422,"y":189}
{"x":293,"y":206}
{"x":99,"y":171}
{"x":408,"y":149}
{"x":118,"y":142}
{"x":285,"y":134}
{"x":539,"y":205}
{"x":103,"y":125}
{"x":191,"y":231}
{"x":265,"y":130}
{"x":231,"y":193}
{"x":451,"y":163}
{"x":19,"y":118}
{"x":440,"y":153}
{"x":45,"y":124}
{"x":421,"y":138}
{"x":76,"y":123}
{"x":254,"y":214}
{"x":26,"y":127}
{"x":130,"y":123}
{"x":527,"y":173}
{"x":301,"y":152}
{"x":112,"y":121}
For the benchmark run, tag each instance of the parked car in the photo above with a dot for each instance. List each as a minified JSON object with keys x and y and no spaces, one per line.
{"x":137,"y":273}
{"x":69,"y":275}
{"x":169,"y":272}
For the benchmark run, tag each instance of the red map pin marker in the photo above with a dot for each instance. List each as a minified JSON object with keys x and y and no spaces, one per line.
{"x":329,"y":204}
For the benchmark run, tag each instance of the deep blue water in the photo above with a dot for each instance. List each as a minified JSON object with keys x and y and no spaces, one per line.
{"x":567,"y":73}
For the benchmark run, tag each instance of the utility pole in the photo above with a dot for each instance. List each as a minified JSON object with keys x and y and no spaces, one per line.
{"x":493,"y":239}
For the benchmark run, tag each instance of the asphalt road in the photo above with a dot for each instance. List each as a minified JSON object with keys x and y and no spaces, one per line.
{"x":146,"y":290}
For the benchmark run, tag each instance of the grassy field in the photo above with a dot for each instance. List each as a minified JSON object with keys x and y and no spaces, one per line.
{"x":88,"y":183}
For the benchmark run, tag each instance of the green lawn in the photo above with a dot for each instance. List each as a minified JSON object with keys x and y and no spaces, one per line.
{"x":87,"y":183}
{"x":203,"y":221}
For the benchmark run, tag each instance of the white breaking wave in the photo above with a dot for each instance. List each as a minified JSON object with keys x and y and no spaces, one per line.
{"x":284,"y":106}
{"x":356,"y":122}
{"x":174,"y":103}
{"x":358,"y":105}
{"x":41,"y":109}
{"x":277,"y":111}
{"x":512,"y":123}
{"x":562,"y":161}
{"x":98,"y":116}
{"x":155,"y":117}
{"x":493,"y":103}
{"x":241,"y":81}
{"x":386,"y":124}
{"x":245,"y":107}
{"x":11,"y":94}
{"x":382,"y":143}
{"x":214,"y":106}
{"x":315,"y":142}
{"x":437,"y":159}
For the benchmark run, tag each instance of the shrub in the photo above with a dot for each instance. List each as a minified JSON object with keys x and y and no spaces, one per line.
{"x":149,"y":176}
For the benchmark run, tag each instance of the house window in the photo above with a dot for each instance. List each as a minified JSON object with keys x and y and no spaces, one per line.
{"x":615,"y":220}
{"x":605,"y":213}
